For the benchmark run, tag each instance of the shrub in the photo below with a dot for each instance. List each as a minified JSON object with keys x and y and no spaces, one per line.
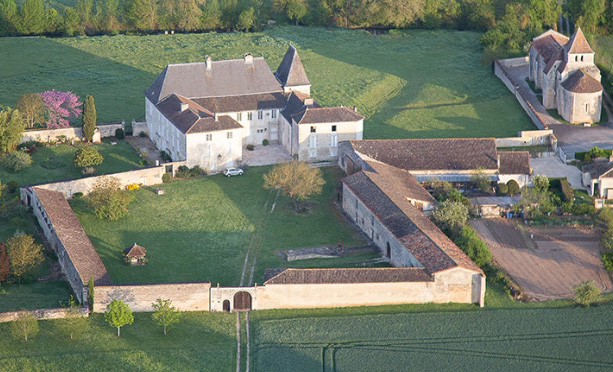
{"x":196,"y":171}
{"x":586,"y":293}
{"x":607,"y":260}
{"x":166,"y":178}
{"x":265,"y":142}
{"x":567,"y":190}
{"x":475,"y":248}
{"x":449,"y":214}
{"x":77,"y":195}
{"x":142,"y":134}
{"x":183,"y":172}
{"x":583,"y":209}
{"x":19,"y":223}
{"x":87,"y":157}
{"x":12,"y":186}
{"x":502,"y":189}
{"x":587,"y":157}
{"x":133,"y":186}
{"x":16,"y":161}
{"x":165,"y":156}
{"x":250,"y":147}
{"x":109,"y":200}
{"x":120,"y":134}
{"x":513,"y":187}
{"x":596,"y":152}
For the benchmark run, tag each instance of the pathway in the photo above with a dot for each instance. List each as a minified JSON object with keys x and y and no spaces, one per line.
{"x":266,"y":155}
{"x":247,"y":339}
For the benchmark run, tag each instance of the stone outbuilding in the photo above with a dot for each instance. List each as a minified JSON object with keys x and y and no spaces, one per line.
{"x":598,"y":178}
{"x":493,"y":206}
{"x":135,"y":255}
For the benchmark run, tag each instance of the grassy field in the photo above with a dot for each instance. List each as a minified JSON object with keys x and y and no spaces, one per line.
{"x":408,"y":84}
{"x":531,"y":339}
{"x":201,"y":229}
{"x":200,"y":342}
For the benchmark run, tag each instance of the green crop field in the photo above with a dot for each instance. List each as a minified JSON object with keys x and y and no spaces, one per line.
{"x":408,"y":84}
{"x":201,"y":229}
{"x":505,"y":340}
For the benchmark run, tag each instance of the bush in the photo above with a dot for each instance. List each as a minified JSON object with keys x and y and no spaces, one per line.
{"x":120,"y":134}
{"x":587,"y":157}
{"x":166,"y":178}
{"x":583,"y":209}
{"x":607,"y":260}
{"x":250,"y":147}
{"x":12,"y":186}
{"x":475,"y":248}
{"x":265,"y":142}
{"x":19,"y":223}
{"x":449,"y":214}
{"x":196,"y":171}
{"x":567,"y":191}
{"x":586,"y":293}
{"x":513,"y":187}
{"x":502,"y":189}
{"x":109,"y":200}
{"x":142,"y":134}
{"x":77,"y":195}
{"x":16,"y":161}
{"x":87,"y":157}
{"x":183,"y":172}
{"x":165,"y":156}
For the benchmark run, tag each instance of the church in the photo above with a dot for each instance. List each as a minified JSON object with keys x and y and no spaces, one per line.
{"x":564,"y":70}
{"x":206,"y":113}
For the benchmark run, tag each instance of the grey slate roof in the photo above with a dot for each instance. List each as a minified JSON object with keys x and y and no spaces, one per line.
{"x":251,"y":102}
{"x":454,"y":154}
{"x":514,"y":162}
{"x":581,"y":82}
{"x":598,"y":168}
{"x":226,"y":78}
{"x":196,"y":119}
{"x":337,"y":276}
{"x":291,"y":72}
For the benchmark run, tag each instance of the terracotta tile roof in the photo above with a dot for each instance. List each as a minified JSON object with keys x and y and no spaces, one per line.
{"x":548,"y":44}
{"x":397,"y":181}
{"x":578,"y":44}
{"x":558,"y":57}
{"x":251,"y":102}
{"x":291,"y":72}
{"x":135,"y":251}
{"x":194,"y":119}
{"x":514,"y":162}
{"x":426,"y":242}
{"x":457,"y":154}
{"x":581,"y":82}
{"x":68,"y":229}
{"x":334,"y":276}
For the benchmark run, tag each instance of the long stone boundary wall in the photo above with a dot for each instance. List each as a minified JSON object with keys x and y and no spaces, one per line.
{"x":72,"y":133}
{"x":146,"y":177}
{"x":500,"y":72}
{"x":530,"y":138}
{"x":184,"y":296}
{"x":44,"y":314}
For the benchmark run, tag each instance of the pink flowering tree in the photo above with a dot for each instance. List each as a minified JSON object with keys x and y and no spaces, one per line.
{"x":61,"y":107}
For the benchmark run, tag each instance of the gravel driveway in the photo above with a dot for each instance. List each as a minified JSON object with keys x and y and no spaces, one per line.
{"x":553,"y":167}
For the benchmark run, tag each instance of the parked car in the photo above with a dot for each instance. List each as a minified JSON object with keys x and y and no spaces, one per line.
{"x":233,"y":172}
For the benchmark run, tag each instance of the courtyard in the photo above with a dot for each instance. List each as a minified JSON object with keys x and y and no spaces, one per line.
{"x":546,"y":262}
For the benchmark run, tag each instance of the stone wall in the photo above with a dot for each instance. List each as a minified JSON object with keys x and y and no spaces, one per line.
{"x":72,"y":133}
{"x":146,"y":177}
{"x":138,"y":127}
{"x":43,"y":314}
{"x":108,"y":130}
{"x":529,"y":138}
{"x":184,"y":296}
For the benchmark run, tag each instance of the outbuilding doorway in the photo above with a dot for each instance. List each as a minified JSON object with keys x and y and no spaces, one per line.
{"x":226,"y":306}
{"x":242,"y":301}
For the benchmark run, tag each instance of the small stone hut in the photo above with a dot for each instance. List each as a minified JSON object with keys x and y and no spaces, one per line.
{"x":135,"y":255}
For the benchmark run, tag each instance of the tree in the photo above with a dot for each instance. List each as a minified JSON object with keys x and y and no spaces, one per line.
{"x":295,"y":10}
{"x":8,"y":17}
{"x":586,"y":293}
{"x":475,"y":248}
{"x":211,"y":15}
{"x":61,"y":106}
{"x":4,"y":263}
{"x":72,"y":25}
{"x":32,"y":18}
{"x":165,"y":314}
{"x":90,"y":294}
{"x":53,"y":22}
{"x":25,"y":325}
{"x":118,"y":314}
{"x":11,"y":129}
{"x":24,"y":254}
{"x":84,"y":10}
{"x":141,"y":14}
{"x":296,"y":180}
{"x":541,"y":183}
{"x":449,"y":214}
{"x":109,"y":200}
{"x":585,"y":13}
{"x":246,"y":19}
{"x":16,"y":161}
{"x":74,"y":323}
{"x":482,"y":181}
{"x":108,"y":15}
{"x":32,"y":108}
{"x":87,"y":156}
{"x":513,"y":187}
{"x":89,"y":118}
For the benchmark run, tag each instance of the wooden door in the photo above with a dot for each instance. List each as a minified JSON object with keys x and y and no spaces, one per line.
{"x":242,"y":301}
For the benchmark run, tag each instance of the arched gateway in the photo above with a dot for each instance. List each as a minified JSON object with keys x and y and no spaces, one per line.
{"x":242,"y":301}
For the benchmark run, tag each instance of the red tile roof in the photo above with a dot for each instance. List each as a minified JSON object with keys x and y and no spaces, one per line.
{"x":337,"y":276}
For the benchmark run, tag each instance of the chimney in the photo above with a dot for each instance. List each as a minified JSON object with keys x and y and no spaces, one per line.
{"x":184,"y":106}
{"x":308,"y":102}
{"x":207,"y":62}
{"x":355,"y":108}
{"x":248,"y":58}
{"x":215,"y":116}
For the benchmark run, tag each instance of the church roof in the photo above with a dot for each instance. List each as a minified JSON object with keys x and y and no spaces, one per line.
{"x":578,"y":44}
{"x":549,"y":44}
{"x":225,"y":78}
{"x":291,"y":71}
{"x":581,"y":82}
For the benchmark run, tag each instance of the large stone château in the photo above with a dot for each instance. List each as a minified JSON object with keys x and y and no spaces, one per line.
{"x":205,"y":113}
{"x":564,"y":70}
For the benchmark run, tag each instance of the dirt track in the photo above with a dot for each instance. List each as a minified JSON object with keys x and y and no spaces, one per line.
{"x":546,"y":262}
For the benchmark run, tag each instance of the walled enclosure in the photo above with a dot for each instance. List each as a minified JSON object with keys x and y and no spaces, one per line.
{"x":184,"y":296}
{"x":72,"y":133}
{"x":44,"y":314}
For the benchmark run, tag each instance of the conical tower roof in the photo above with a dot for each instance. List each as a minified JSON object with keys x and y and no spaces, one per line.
{"x":291,"y":72}
{"x":578,"y":44}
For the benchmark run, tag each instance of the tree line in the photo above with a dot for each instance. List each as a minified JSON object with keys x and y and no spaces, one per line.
{"x":509,"y":24}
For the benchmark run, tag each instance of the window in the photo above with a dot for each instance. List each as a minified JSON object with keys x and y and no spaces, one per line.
{"x":209,"y":137}
{"x":576,"y":58}
{"x":250,"y":116}
{"x":587,"y":107}
{"x":334,"y":128}
{"x":313,"y":141}
{"x":260,"y":115}
{"x":334,"y":140}
{"x":239,"y":116}
{"x":229,"y":135}
{"x":273,"y":114}
{"x":581,"y":58}
{"x":312,"y":129}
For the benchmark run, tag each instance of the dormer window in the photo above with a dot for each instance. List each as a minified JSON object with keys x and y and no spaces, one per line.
{"x":312,"y":129}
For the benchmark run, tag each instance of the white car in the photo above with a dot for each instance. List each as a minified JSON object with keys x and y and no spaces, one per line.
{"x":233,"y":172}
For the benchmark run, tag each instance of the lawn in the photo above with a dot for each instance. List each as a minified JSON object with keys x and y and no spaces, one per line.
{"x":416,"y":83}
{"x":201,"y":229}
{"x":568,"y":338}
{"x":200,"y":342}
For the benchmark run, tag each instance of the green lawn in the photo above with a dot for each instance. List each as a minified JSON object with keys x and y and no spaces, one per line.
{"x":37,"y":295}
{"x":417,"y":83}
{"x":200,"y":342}
{"x":568,"y":338}
{"x":201,"y":229}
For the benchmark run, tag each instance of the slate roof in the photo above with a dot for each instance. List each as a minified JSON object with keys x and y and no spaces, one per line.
{"x":514,"y":162}
{"x":549,"y":44}
{"x":251,"y":102}
{"x":581,"y":82}
{"x":195,"y":119}
{"x":135,"y":251}
{"x":426,"y":242}
{"x":457,"y":154}
{"x":291,"y":72}
{"x":326,"y":115}
{"x":578,"y":44}
{"x":337,"y":276}
{"x":69,"y":231}
{"x":295,"y":105}
{"x":599,"y":168}
{"x":226,"y":78}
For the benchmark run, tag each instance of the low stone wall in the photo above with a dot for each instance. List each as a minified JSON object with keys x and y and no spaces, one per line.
{"x":138,"y":127}
{"x":43,"y":314}
{"x":70,"y":134}
{"x":529,"y":138}
{"x":184,"y":296}
{"x":146,"y":177}
{"x":514,"y":62}
{"x":108,"y":130}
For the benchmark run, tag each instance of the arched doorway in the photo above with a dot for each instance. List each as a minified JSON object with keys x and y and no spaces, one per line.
{"x":226,"y":306}
{"x":388,"y":251}
{"x":242,"y":301}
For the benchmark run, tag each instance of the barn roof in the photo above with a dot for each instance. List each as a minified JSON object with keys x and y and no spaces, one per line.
{"x":514,"y":162}
{"x":336,"y":276}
